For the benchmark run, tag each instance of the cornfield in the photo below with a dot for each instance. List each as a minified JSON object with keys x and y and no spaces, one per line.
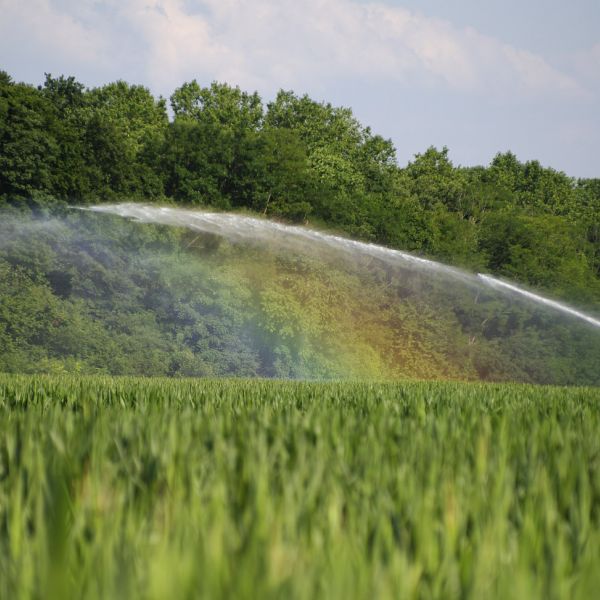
{"x":156,"y":488}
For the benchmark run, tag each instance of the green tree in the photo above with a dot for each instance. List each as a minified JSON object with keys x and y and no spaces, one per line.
{"x":222,"y":123}
{"x":347,"y":160}
{"x":287,"y":185}
{"x":543,"y":251}
{"x":133,"y":110}
{"x":586,"y":210}
{"x":194,"y":169}
{"x":532,"y":186}
{"x":28,"y":155}
{"x":70,"y":177}
{"x":219,"y":104}
{"x":130,"y":125}
{"x":434,"y":180}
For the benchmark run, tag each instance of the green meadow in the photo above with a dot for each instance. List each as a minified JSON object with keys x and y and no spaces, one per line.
{"x":158,"y":488}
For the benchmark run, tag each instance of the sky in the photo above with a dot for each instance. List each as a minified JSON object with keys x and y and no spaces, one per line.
{"x":477,"y":76}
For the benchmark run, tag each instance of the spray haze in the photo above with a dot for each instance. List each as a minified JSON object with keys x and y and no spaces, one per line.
{"x":136,"y":289}
{"x":244,"y":228}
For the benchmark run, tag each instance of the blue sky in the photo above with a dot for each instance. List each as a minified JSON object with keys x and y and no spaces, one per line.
{"x":477,"y":76}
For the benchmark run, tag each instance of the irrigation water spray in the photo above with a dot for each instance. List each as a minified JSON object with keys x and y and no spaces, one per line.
{"x":249,"y":229}
{"x":512,"y":288}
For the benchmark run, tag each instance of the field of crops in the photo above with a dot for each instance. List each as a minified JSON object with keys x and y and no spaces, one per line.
{"x":155,"y":488}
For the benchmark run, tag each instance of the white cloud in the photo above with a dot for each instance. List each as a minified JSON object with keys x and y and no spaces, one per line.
{"x":267,"y":44}
{"x":38,"y":31}
{"x":587,"y":65}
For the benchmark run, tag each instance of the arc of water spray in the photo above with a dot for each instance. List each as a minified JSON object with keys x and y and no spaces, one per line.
{"x":499,"y":284}
{"x":243,"y":227}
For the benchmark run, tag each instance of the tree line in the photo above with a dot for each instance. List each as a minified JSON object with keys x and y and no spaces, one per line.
{"x":300,"y":160}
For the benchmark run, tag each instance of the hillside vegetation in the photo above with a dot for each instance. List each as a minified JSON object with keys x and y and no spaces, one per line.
{"x":91,"y":293}
{"x":85,"y":293}
{"x":302,"y":160}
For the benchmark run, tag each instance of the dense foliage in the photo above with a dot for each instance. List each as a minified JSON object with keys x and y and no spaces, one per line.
{"x":91,"y":293}
{"x":103,"y":297}
{"x":300,"y":160}
{"x":125,"y":488}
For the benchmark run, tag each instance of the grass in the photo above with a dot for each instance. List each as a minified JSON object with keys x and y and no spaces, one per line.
{"x":155,"y":488}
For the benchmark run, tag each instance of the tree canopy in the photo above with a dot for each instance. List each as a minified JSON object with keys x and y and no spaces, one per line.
{"x":302,"y":160}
